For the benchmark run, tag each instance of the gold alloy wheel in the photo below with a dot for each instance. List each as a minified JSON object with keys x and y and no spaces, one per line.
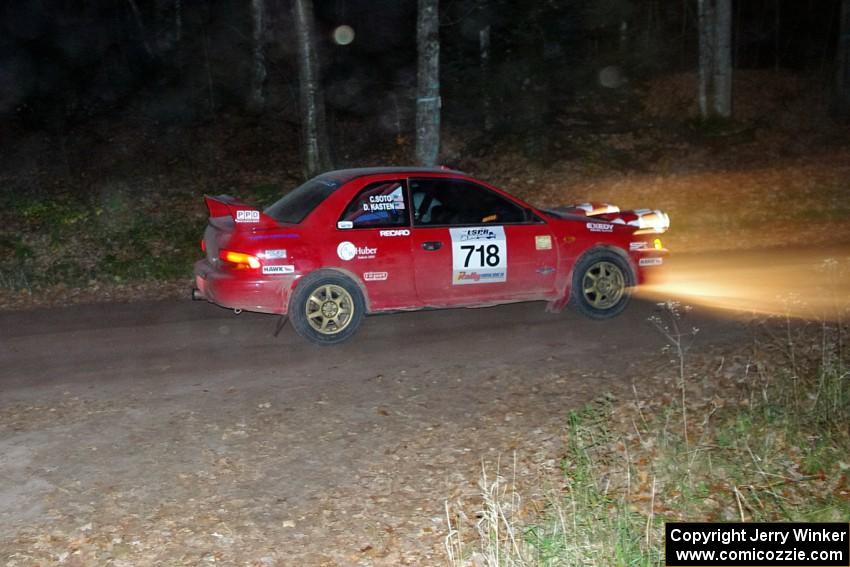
{"x":603,"y":285}
{"x":329,"y":309}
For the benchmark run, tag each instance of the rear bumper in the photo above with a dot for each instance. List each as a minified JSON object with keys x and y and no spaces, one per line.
{"x":248,"y":293}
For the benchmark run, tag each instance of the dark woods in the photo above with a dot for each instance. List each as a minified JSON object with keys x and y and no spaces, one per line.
{"x":396,"y":69}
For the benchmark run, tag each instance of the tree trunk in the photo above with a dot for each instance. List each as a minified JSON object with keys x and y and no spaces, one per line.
{"x":178,"y":20}
{"x":428,"y":84}
{"x":715,"y":58}
{"x":168,"y":24}
{"x":486,"y":99}
{"x":313,"y":128}
{"x":842,"y":60}
{"x":705,"y":20}
{"x":143,"y":33}
{"x":256,"y":100}
{"x":723,"y":58}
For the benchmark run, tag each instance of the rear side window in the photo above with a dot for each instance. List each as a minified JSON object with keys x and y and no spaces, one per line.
{"x":378,"y":205}
{"x":298,"y":203}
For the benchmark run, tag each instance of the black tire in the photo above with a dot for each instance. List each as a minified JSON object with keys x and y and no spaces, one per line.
{"x":326,"y":308}
{"x":601,"y":286}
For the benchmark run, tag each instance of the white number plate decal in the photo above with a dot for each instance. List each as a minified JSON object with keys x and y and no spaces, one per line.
{"x":479,"y":255}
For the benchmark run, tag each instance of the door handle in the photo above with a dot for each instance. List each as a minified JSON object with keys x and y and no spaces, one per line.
{"x":432,"y":245}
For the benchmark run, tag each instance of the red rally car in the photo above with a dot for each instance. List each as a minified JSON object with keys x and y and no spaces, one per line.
{"x":357,"y":241}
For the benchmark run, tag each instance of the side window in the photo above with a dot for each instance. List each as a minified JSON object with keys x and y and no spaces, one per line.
{"x":453,"y":202}
{"x":378,"y":205}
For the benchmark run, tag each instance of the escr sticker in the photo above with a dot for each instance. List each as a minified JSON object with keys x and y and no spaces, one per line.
{"x":375,"y":276}
{"x":273,"y":254}
{"x":479,"y":255}
{"x":638,"y":245}
{"x":247,"y":216}
{"x":651,"y":261}
{"x":543,"y":242}
{"x":286,"y":269}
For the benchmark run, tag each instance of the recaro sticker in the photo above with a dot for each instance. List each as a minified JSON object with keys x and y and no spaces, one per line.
{"x":278,"y":269}
{"x":479,"y":255}
{"x":395,"y":232}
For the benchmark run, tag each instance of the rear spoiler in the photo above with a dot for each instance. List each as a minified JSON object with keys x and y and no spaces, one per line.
{"x":243,"y":215}
{"x":646,"y":221}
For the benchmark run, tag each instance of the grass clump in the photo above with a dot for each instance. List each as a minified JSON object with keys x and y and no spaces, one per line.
{"x":755,"y":432}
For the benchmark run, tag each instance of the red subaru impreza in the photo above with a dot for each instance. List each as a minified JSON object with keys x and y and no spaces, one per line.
{"x":352,"y":242}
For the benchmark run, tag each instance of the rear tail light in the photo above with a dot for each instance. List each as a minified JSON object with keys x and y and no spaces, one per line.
{"x":203,"y":245}
{"x":240,"y":260}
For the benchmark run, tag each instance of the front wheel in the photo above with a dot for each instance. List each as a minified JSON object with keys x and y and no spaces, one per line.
{"x":326,"y":308}
{"x":600,"y":286}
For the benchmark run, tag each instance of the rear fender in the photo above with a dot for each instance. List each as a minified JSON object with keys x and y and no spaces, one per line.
{"x":343,"y":272}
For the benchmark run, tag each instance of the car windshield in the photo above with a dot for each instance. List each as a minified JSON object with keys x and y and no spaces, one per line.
{"x":297,"y":204}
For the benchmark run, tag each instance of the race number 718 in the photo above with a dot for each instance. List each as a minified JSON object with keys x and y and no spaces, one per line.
{"x":487,"y":255}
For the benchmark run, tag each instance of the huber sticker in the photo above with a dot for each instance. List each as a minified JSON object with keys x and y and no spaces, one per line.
{"x":375,"y":276}
{"x":346,"y":251}
{"x":543,"y":242}
{"x":271,"y":254}
{"x":479,"y":255}
{"x":600,"y":227}
{"x":247,"y":216}
{"x":651,"y":261}
{"x":278,"y":269}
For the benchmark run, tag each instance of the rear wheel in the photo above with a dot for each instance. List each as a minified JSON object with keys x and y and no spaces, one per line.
{"x":600,"y":286}
{"x":326,"y":308}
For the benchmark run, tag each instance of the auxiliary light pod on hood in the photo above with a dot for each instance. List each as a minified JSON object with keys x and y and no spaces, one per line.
{"x":647,"y":221}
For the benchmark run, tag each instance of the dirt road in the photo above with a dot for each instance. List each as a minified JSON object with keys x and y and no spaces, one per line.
{"x":180,"y":433}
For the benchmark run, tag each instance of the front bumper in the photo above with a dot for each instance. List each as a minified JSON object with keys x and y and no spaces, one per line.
{"x":245,"y":292}
{"x":650,"y":263}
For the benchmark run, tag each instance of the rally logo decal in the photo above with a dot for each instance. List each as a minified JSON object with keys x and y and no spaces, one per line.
{"x":479,"y":255}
